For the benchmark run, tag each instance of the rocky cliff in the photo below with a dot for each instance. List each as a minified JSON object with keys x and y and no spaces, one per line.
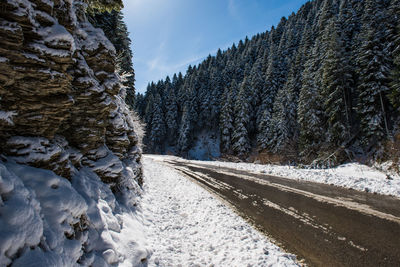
{"x":62,"y":109}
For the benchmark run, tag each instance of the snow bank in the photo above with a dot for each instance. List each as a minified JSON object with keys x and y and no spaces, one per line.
{"x":352,"y":175}
{"x":188,"y":226}
{"x":46,"y":220}
{"x":206,"y":146}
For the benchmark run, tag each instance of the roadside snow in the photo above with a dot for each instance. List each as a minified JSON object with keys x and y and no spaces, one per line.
{"x":46,"y":220}
{"x":206,"y":146}
{"x":356,"y":176}
{"x":187,"y":226}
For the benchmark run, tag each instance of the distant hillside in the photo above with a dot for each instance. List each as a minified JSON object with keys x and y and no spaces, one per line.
{"x":323,"y":84}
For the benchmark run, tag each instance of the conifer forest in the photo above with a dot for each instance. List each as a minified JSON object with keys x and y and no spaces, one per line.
{"x":321,"y":87}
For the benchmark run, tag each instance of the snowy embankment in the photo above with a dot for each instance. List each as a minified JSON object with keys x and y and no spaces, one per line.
{"x":355,"y":176}
{"x":47,"y":220}
{"x":187,"y":226}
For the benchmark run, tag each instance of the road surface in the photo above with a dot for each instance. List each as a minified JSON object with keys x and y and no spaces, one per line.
{"x":322,"y":224}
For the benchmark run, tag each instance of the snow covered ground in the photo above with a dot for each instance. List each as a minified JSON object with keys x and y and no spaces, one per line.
{"x":187,"y":226}
{"x":46,"y":220}
{"x":352,"y":175}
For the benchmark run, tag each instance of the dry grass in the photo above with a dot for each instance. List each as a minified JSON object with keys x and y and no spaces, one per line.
{"x":266,"y":157}
{"x":392,"y":152}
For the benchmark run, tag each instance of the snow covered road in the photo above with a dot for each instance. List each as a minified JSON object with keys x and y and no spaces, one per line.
{"x":326,"y":225}
{"x":188,"y":226}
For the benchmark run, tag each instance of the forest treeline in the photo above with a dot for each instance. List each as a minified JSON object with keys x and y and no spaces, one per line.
{"x":322,"y":84}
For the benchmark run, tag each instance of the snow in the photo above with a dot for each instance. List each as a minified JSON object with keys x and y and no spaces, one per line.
{"x":35,"y":149}
{"x":47,"y":220}
{"x":352,"y":175}
{"x":44,"y":50}
{"x":22,"y":225}
{"x":206,"y":146}
{"x":187,"y":226}
{"x":33,"y":56}
{"x":92,"y":38}
{"x":24,"y":9}
{"x":10,"y":26}
{"x":57,"y":34}
{"x":36,"y":206}
{"x":61,"y":207}
{"x":48,"y":2}
{"x":7,"y":116}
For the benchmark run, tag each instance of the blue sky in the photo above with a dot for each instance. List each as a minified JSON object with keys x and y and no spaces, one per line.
{"x":168,"y":35}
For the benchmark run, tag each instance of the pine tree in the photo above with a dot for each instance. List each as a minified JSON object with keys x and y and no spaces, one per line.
{"x":215,"y":97}
{"x":256,"y":89}
{"x":395,"y":75}
{"x":105,"y":5}
{"x":311,"y":117}
{"x":157,"y":134}
{"x":284,"y":138}
{"x":171,"y":115}
{"x":240,"y":137}
{"x":189,"y":119}
{"x":337,"y":80}
{"x":148,"y":119}
{"x":227,"y":117}
{"x":140,"y":105}
{"x":374,"y":79}
{"x":184,"y":132}
{"x":273,"y":81}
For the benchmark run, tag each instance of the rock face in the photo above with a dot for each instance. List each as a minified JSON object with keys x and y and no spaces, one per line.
{"x":62,"y":109}
{"x":58,"y":81}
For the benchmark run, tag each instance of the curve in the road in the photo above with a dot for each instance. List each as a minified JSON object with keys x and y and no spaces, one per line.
{"x":325,"y":225}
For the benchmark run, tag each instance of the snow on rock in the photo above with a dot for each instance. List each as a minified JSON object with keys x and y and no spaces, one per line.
{"x":188,"y":226}
{"x":20,"y":222}
{"x":352,"y":175}
{"x":61,"y":209}
{"x":56,"y":35}
{"x":70,"y":171}
{"x":6,"y":116}
{"x":46,"y":220}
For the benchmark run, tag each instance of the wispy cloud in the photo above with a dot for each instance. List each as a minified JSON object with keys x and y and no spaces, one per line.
{"x":233,"y":9}
{"x":162,"y":66}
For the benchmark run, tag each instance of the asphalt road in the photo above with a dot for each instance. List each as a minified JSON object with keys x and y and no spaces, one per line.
{"x":323,"y":225}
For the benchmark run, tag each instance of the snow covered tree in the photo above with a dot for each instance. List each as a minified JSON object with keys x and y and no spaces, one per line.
{"x":273,"y":81}
{"x":284,"y":137}
{"x":374,"y":70}
{"x":256,"y":89}
{"x":310,"y":111}
{"x":395,"y":75}
{"x":158,"y":131}
{"x":188,"y":120}
{"x":105,"y":5}
{"x":240,"y":137}
{"x":171,"y":115}
{"x":227,"y":117}
{"x":395,"y":83}
{"x":184,"y":139}
{"x":337,"y":81}
{"x":216,"y":91}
